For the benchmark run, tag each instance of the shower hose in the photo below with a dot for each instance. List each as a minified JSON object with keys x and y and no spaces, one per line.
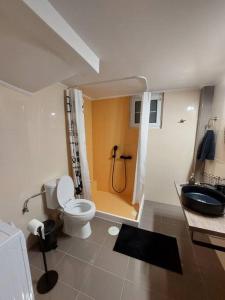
{"x":125,"y":176}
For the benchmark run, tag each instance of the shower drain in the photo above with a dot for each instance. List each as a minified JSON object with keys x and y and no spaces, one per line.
{"x":113,"y":230}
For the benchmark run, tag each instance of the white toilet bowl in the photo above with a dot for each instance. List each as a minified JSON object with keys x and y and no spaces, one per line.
{"x":77,"y":213}
{"x":77,"y":216}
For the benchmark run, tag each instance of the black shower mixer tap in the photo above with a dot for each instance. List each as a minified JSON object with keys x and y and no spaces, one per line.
{"x":126,"y":157}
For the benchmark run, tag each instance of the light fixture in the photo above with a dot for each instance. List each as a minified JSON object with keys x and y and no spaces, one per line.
{"x":190,"y":108}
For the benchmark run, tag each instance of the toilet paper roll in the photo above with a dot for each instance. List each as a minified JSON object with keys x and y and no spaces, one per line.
{"x":33,"y":226}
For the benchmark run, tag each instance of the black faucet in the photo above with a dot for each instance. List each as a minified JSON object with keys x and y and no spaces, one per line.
{"x":126,"y":157}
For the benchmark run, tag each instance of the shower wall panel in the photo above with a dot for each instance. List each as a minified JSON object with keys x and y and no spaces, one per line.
{"x":111,"y":126}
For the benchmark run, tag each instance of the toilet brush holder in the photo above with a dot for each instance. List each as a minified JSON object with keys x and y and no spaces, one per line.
{"x":49,"y":279}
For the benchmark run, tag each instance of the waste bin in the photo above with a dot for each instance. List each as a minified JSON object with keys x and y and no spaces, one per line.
{"x":50,"y":230}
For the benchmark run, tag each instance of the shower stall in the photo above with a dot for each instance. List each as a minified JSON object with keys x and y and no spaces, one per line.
{"x":112,"y":152}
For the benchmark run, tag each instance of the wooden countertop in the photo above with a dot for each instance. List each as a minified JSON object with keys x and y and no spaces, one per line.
{"x":196,"y":222}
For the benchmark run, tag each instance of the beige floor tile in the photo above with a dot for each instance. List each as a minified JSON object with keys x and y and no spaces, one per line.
{"x":163,"y":211}
{"x":53,"y":258}
{"x":102,"y":285}
{"x":35,"y":275}
{"x":59,"y":292}
{"x":187,"y":256}
{"x":64,"y":242}
{"x":175,"y":229}
{"x":215,"y":287}
{"x":99,"y":230}
{"x":82,"y":296}
{"x":203,"y":269}
{"x":151,"y":224}
{"x":73,"y":271}
{"x":112,"y":261}
{"x":84,"y":250}
{"x":110,"y":241}
{"x":208,"y":260}
{"x":134,"y":292}
{"x":212,"y":270}
{"x":165,"y":282}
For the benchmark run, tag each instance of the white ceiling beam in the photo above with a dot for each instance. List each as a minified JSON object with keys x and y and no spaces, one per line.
{"x":56,"y":22}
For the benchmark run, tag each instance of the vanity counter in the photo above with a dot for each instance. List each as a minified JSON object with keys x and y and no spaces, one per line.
{"x":201,"y":223}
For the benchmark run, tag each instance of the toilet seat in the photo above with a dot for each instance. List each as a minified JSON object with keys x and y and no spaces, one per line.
{"x":78,"y":207}
{"x":70,"y":205}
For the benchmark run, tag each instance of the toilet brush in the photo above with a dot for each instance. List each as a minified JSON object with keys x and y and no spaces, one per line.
{"x":49,"y":279}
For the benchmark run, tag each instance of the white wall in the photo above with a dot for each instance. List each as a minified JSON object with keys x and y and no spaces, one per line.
{"x":170,"y":149}
{"x":217,"y":167}
{"x":32,"y":149}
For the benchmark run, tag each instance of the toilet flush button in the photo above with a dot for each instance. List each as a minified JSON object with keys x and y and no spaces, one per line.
{"x":113,"y":230}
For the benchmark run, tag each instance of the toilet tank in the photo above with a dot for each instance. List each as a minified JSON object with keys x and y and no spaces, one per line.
{"x":51,"y":195}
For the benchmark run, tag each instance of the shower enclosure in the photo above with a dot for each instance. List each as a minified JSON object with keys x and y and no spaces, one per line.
{"x":112,"y":151}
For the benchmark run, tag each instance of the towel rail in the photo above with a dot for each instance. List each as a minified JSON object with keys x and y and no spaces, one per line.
{"x":211,"y":122}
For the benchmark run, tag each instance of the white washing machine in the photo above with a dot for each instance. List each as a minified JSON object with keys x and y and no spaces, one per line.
{"x":15,"y":277}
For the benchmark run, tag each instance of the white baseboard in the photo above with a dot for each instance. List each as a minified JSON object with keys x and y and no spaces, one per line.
{"x":114,"y":218}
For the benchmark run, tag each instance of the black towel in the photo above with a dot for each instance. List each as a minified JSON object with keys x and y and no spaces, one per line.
{"x":206,"y":149}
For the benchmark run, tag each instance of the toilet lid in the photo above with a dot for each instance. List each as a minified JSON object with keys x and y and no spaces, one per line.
{"x":65,"y":190}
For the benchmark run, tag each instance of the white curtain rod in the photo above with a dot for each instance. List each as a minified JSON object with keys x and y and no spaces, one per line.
{"x":143,"y":78}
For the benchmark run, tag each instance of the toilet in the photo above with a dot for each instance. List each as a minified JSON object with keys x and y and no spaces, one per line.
{"x":77,"y":213}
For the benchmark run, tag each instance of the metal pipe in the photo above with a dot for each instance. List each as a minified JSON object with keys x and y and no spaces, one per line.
{"x":25,"y":205}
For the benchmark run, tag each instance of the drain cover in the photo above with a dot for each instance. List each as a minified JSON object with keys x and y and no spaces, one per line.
{"x":113,"y":230}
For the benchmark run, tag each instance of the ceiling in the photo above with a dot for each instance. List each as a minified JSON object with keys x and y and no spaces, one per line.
{"x":174,"y":43}
{"x":32,"y":55}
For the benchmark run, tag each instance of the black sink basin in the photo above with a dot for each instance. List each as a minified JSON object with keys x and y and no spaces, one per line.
{"x":203,"y":199}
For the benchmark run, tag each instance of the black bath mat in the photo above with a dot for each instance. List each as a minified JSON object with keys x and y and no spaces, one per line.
{"x":154,"y":248}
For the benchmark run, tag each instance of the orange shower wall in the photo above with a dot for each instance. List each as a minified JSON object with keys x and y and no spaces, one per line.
{"x":110,"y":126}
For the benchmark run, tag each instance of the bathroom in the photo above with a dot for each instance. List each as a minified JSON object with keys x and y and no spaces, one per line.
{"x":35,"y":143}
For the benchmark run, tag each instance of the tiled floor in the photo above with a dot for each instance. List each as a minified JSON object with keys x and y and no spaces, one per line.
{"x":89,"y":269}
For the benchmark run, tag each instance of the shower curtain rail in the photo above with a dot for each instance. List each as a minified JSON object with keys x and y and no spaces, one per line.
{"x":143,"y":78}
